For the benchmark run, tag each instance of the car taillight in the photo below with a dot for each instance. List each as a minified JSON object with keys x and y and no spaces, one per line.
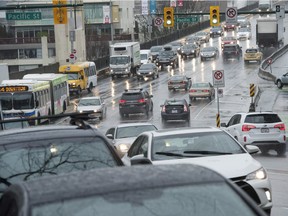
{"x":163,"y":109}
{"x":280,"y":126}
{"x":183,"y":82}
{"x":142,"y":100}
{"x":122,"y":101}
{"x":192,"y":90}
{"x":205,"y":90}
{"x":185,"y":109}
{"x":247,"y":127}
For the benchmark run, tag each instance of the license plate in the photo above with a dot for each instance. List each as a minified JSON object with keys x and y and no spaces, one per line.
{"x":264,"y":130}
{"x":174,"y":111}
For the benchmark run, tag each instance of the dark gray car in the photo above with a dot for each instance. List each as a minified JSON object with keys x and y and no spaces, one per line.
{"x":147,"y":70}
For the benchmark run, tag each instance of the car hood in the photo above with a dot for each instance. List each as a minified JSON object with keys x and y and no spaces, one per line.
{"x":88,"y":108}
{"x":128,"y":140}
{"x":230,"y":166}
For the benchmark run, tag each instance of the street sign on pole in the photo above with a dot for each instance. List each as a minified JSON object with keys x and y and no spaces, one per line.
{"x":158,"y":21}
{"x":187,"y":19}
{"x":231,"y":15}
{"x":218,"y":78}
{"x":280,"y":11}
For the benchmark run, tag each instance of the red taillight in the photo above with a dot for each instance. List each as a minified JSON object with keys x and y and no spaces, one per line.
{"x":205,"y":90}
{"x":280,"y":126}
{"x":163,"y":109}
{"x":192,"y":90}
{"x":122,"y":101}
{"x":183,"y":82}
{"x":142,"y":100}
{"x":247,"y":127}
{"x":185,"y":109}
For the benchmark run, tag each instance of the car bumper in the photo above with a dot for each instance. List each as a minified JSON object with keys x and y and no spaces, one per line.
{"x":132,"y":109}
{"x":262,"y":140}
{"x":164,"y":63}
{"x":145,"y":75}
{"x":175,"y":116}
{"x":177,"y":86}
{"x":199,"y":95}
{"x":252,"y":59}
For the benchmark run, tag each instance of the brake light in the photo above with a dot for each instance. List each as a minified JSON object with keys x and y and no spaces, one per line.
{"x":185,"y":109}
{"x":280,"y":126}
{"x":163,"y":109}
{"x":192,"y":90}
{"x":205,"y":90}
{"x":122,"y":101}
{"x":142,"y":100}
{"x":183,"y":82}
{"x":247,"y":127}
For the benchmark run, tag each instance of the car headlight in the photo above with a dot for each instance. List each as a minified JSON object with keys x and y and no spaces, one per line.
{"x":138,"y":72}
{"x":96,"y":110}
{"x":126,"y":70}
{"x":150,"y":72}
{"x":123,"y":148}
{"x":81,"y":111}
{"x":219,"y":31}
{"x":111,"y":71}
{"x":74,"y":84}
{"x":182,"y":51}
{"x":257,"y":175}
{"x":193,"y":51}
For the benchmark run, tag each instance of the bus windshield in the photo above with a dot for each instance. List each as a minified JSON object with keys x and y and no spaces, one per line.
{"x":73,"y":76}
{"x":18,"y":101}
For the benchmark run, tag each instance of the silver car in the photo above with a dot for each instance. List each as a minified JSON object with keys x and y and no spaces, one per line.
{"x":209,"y":53}
{"x":94,"y":104}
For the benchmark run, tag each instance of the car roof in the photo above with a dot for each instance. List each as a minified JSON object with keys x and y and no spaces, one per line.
{"x":167,"y":132}
{"x":45,"y":132}
{"x":134,"y":124}
{"x":109,"y":180}
{"x":87,"y":98}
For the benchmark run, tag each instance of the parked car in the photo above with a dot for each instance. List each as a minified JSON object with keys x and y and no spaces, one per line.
{"x":94,"y":104}
{"x":253,"y":54}
{"x":201,"y":90}
{"x":34,"y":152}
{"x":263,"y":129}
{"x":244,"y":33}
{"x":147,"y":70}
{"x":189,"y":50}
{"x":176,"y":82}
{"x":216,"y":31}
{"x":175,"y":109}
{"x":210,"y":147}
{"x":231,"y":51}
{"x":282,"y":80}
{"x":139,"y":190}
{"x":208,"y":53}
{"x":228,"y":40}
{"x":135,"y":101}
{"x":154,"y":50}
{"x":229,"y":26}
{"x":167,"y":57}
{"x":203,"y":36}
{"x":124,"y":134}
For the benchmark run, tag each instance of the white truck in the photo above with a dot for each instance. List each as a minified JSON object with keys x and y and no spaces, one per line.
{"x":269,"y":32}
{"x":124,"y":59}
{"x":4,"y":72}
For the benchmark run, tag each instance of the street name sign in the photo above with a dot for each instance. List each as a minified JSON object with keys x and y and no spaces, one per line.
{"x":23,"y":16}
{"x":187,"y":19}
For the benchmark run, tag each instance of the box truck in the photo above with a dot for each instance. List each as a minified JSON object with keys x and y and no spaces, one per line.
{"x":124,"y":59}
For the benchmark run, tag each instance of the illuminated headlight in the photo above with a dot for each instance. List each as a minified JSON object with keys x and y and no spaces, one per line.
{"x":259,"y":10}
{"x":182,"y":51}
{"x":201,"y":54}
{"x":81,"y":111}
{"x":111,"y":71}
{"x":219,"y":31}
{"x":267,"y":10}
{"x":96,"y":110}
{"x":257,"y":175}
{"x":232,"y":25}
{"x":268,"y":195}
{"x":123,"y":148}
{"x":138,"y":72}
{"x":225,"y":26}
{"x":150,"y":72}
{"x":126,"y":70}
{"x":74,"y":84}
{"x":193,"y":51}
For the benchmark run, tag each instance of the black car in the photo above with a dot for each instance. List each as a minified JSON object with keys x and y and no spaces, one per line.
{"x":147,"y":70}
{"x":174,"y":189}
{"x":175,"y":109}
{"x":179,"y":82}
{"x":167,"y":57}
{"x":34,"y":152}
{"x":216,"y":31}
{"x":134,"y":101}
{"x":155,"y":52}
{"x":189,"y":50}
{"x":232,"y":51}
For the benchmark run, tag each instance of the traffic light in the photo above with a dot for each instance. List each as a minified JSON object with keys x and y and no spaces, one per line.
{"x":214,"y":16}
{"x":278,"y":8}
{"x":168,"y":17}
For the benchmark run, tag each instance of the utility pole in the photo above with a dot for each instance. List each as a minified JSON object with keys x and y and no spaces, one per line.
{"x":111,"y":23}
{"x":71,"y":28}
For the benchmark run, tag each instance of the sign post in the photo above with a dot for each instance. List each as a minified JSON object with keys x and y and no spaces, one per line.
{"x":218,"y":81}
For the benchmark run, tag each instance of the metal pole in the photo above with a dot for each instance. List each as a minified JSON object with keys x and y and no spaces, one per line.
{"x":218,"y":100}
{"x":111,"y":23}
{"x":71,"y":15}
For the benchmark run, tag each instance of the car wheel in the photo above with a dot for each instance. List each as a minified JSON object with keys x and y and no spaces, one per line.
{"x":264,"y":150}
{"x":153,"y":77}
{"x":101,"y":116}
{"x":281,"y":150}
{"x":279,"y":84}
{"x":151,"y":108}
{"x":90,"y":88}
{"x":210,"y":97}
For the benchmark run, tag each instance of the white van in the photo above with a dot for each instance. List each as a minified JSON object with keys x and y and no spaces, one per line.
{"x":146,"y":56}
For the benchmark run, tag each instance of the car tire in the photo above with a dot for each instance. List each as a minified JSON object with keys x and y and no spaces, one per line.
{"x":101,"y":116}
{"x":264,"y":150}
{"x":279,"y":84}
{"x":151,"y":108}
{"x":281,"y":150}
{"x":90,"y":88}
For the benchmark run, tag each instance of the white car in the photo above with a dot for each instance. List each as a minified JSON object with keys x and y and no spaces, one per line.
{"x":263,"y":129}
{"x":123,"y":135}
{"x":244,"y":33}
{"x":94,"y":104}
{"x":209,"y":147}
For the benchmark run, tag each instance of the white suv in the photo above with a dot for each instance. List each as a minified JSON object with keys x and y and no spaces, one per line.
{"x":263,"y":129}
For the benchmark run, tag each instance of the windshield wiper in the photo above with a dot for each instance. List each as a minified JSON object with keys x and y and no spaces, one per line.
{"x":169,"y":154}
{"x":4,"y":181}
{"x":207,"y":152}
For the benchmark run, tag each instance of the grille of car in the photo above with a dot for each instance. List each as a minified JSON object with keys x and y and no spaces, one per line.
{"x":246,"y":188}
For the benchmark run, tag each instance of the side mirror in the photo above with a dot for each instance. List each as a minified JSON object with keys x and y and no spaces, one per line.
{"x":223,"y":125}
{"x":109,"y":136}
{"x":151,"y":96}
{"x":252,"y":149}
{"x":140,"y":160}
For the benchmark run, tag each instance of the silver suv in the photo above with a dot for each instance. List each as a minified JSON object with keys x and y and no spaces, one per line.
{"x":263,"y":129}
{"x":282,"y":80}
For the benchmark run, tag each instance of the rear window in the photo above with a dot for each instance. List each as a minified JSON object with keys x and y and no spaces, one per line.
{"x":229,"y":48}
{"x":262,"y":118}
{"x":251,"y":51}
{"x":132,"y":96}
{"x":200,"y":85}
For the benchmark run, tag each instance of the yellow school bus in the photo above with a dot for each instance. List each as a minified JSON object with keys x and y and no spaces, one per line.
{"x":81,"y":76}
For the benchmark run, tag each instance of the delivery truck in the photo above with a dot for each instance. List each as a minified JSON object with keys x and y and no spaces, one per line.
{"x":124,"y":59}
{"x":269,"y":32}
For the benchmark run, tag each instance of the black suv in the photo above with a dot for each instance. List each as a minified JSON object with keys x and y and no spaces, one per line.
{"x":135,"y":101}
{"x":232,"y":51}
{"x":167,"y":57}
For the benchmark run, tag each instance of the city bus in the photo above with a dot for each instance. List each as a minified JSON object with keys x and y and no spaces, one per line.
{"x":58,"y":87}
{"x":25,"y":98}
{"x":81,"y":76}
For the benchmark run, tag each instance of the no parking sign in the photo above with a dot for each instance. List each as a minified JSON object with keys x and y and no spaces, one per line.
{"x":218,"y":78}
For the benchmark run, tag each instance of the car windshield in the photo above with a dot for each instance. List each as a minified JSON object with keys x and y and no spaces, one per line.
{"x":89,"y":102}
{"x":146,"y":66}
{"x":229,"y":48}
{"x":194,"y":144}
{"x":243,"y":30}
{"x":262,"y":118}
{"x":228,"y":38}
{"x":208,"y":49}
{"x":156,"y":49}
{"x":27,"y":160}
{"x":73,"y":76}
{"x":17,"y":100}
{"x":177,"y":78}
{"x":166,"y":53}
{"x":133,"y":131}
{"x":119,"y":60}
{"x":251,"y":51}
{"x":202,"y":199}
{"x":200,"y":85}
{"x":216,"y":28}
{"x":176,"y":44}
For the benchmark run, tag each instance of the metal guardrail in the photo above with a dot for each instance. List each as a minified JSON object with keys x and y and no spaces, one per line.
{"x":263,"y":72}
